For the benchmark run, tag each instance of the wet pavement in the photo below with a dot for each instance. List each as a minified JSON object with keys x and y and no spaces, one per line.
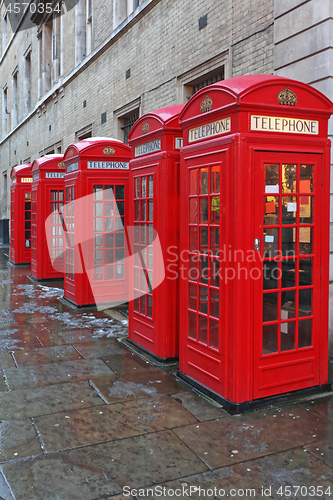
{"x":83,"y":418}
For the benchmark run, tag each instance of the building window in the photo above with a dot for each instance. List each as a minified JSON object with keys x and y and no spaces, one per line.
{"x":124,"y":119}
{"x":15,"y":110}
{"x":214,"y":70}
{"x":83,"y":29}
{"x":4,"y":194}
{"x":207,"y":80}
{"x":5,"y":112}
{"x":89,"y":26}
{"x":40,"y":63}
{"x":122,"y":9}
{"x":84,"y":136}
{"x":84,"y":133}
{"x":128,"y":122}
{"x":45,"y":57}
{"x":56,"y":47}
{"x":27,"y":83}
{"x":202,"y":81}
{"x":4,"y":32}
{"x":52,"y":149}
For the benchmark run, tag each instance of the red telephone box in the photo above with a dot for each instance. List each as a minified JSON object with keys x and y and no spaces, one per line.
{"x":20,"y":214}
{"x":255,"y":224}
{"x":156,"y":139}
{"x":47,"y":196}
{"x":96,"y":184}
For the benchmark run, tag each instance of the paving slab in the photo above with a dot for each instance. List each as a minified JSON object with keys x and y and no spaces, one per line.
{"x":3,"y":386}
{"x":55,"y":373}
{"x":121,"y":420}
{"x":46,"y":355}
{"x":321,"y":406}
{"x":120,"y":497}
{"x":268,"y":477}
{"x":136,"y":385}
{"x":11,"y":345}
{"x":13,"y":340}
{"x":4,"y":489}
{"x":244,"y":437}
{"x":200,"y":407}
{"x":34,"y":401}
{"x":127,"y":362}
{"x":25,"y":318}
{"x":65,"y":336}
{"x":97,"y":349}
{"x":323,"y":451}
{"x":133,"y":440}
{"x":55,"y":478}
{"x":88,"y":473}
{"x":18,"y":439}
{"x":6,"y":360}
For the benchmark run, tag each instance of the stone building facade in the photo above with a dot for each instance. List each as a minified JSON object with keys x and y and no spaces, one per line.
{"x":92,"y":70}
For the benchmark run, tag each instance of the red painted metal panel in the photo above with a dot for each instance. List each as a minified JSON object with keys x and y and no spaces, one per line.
{"x":155,"y":140}
{"x":96,"y":218}
{"x":272,"y":336}
{"x":288,"y":320}
{"x":293,"y":372}
{"x":210,"y":367}
{"x":47,"y":196}
{"x":20,"y":223}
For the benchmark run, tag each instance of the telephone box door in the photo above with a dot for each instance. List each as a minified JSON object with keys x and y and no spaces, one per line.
{"x":109,"y":242}
{"x":144,"y":307}
{"x":202,"y":352}
{"x":287,"y":286}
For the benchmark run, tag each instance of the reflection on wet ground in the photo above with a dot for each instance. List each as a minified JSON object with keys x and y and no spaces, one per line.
{"x":83,"y":418}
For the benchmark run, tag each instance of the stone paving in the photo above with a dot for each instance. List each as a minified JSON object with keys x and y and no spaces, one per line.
{"x":83,"y":418}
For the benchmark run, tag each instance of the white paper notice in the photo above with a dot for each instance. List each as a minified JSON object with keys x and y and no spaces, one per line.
{"x":269,"y":238}
{"x":284,"y":314}
{"x":271,"y":189}
{"x":291,"y":207}
{"x":284,"y":327}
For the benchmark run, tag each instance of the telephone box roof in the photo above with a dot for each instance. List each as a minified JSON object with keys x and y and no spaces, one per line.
{"x":95,"y":146}
{"x":21,"y":170}
{"x":159,"y":119}
{"x":44,"y":161}
{"x":258,"y":91}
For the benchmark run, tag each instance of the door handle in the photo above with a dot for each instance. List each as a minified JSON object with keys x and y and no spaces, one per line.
{"x":256,"y":244}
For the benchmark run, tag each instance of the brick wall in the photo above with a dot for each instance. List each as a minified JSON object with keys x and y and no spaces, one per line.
{"x":159,"y":42}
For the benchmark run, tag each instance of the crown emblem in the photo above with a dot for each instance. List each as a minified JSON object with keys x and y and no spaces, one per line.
{"x":145,"y":128}
{"x":109,"y":151}
{"x":206,"y":104}
{"x":61,"y":165}
{"x":287,"y":97}
{"x":70,"y":154}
